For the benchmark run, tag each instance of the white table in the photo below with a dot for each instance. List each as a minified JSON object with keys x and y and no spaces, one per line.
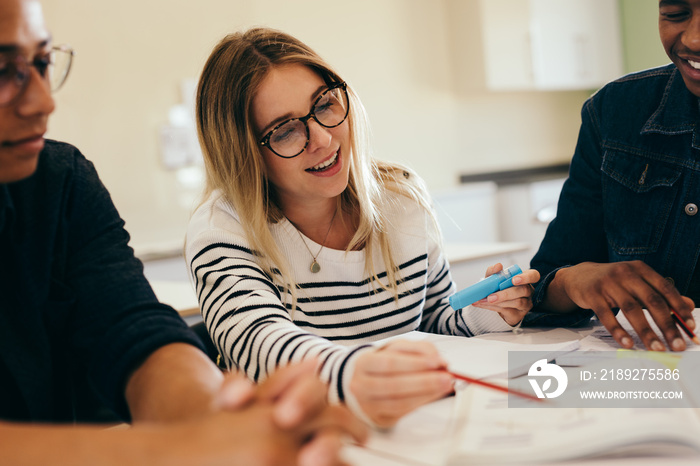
{"x":422,"y":437}
{"x":177,"y":294}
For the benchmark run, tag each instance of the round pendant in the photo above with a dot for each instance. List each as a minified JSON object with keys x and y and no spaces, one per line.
{"x":315,"y":268}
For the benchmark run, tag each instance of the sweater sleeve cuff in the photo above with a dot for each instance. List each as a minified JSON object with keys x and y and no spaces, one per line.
{"x":480,"y":320}
{"x":541,"y":287}
{"x":346,"y":396}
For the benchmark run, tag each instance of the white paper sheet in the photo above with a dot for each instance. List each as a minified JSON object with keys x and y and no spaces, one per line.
{"x":481,"y":357}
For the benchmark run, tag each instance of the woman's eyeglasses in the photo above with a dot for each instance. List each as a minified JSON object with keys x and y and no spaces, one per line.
{"x":290,"y":138}
{"x":15,"y":71}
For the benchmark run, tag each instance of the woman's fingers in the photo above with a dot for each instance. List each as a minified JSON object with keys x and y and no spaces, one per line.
{"x":393,"y":381}
{"x":408,"y":385}
{"x":494,"y":269}
{"x":386,"y":399}
{"x":404,"y":356}
{"x":514,"y":302}
{"x":522,"y":289}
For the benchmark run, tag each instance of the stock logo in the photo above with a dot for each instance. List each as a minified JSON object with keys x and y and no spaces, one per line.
{"x":542,"y":370}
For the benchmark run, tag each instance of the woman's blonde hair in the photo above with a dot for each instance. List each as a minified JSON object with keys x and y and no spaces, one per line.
{"x":234,"y":162}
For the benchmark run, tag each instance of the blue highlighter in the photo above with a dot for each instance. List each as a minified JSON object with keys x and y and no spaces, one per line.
{"x":483,"y":288}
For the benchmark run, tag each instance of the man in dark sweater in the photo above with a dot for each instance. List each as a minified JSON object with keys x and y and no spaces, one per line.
{"x":77,"y":315}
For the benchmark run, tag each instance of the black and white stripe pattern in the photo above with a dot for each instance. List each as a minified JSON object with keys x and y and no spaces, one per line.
{"x":339,"y":310}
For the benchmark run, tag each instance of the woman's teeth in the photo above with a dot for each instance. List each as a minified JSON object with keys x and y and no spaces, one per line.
{"x":325,"y":164}
{"x":694,"y":64}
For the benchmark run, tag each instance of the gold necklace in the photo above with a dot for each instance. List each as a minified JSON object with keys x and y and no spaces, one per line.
{"x":315,"y":267}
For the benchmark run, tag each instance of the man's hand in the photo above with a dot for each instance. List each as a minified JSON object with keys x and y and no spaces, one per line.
{"x":299,"y":406}
{"x":197,"y":414}
{"x":631,"y":287}
{"x":297,"y":399}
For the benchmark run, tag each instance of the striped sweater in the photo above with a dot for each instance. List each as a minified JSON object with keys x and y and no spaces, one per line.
{"x":339,"y":312}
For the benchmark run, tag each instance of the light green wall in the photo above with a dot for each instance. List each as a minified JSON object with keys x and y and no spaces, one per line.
{"x":640,"y":35}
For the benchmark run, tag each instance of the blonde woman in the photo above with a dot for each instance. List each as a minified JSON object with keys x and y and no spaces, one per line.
{"x":305,"y":246}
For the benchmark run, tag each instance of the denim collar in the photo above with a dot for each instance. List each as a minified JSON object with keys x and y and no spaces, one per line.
{"x":678,"y":112}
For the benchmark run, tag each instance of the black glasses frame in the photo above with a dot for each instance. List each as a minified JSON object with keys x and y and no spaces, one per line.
{"x":265,"y":140}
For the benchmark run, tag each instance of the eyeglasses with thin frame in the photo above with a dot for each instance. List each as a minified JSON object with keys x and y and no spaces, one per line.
{"x":290,"y":138}
{"x":15,"y":71}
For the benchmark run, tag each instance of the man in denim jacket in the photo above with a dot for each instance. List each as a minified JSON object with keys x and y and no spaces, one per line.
{"x":627,"y":233}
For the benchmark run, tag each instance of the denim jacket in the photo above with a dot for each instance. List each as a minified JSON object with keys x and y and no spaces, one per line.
{"x":634,"y":184}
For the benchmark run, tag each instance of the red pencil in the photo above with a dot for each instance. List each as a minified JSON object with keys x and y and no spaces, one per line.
{"x":494,"y":386}
{"x":681,"y":323}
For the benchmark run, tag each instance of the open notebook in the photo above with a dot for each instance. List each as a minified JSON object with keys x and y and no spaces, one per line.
{"x":422,"y":436}
{"x":488,"y":431}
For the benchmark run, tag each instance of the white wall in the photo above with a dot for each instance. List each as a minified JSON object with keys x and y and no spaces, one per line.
{"x":417,"y":65}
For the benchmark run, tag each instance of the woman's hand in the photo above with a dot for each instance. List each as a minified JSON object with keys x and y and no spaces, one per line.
{"x":398,"y":378}
{"x":512,"y":303}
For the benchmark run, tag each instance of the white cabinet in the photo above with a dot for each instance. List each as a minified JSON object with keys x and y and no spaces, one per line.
{"x":551,"y":44}
{"x":467,"y":213}
{"x":525,"y":210}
